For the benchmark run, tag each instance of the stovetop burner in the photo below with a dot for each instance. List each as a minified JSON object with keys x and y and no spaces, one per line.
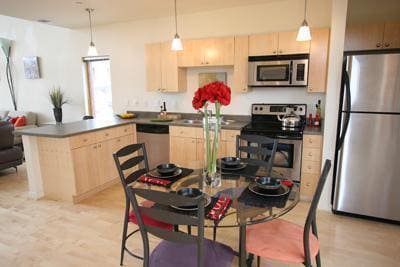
{"x":265,"y":121}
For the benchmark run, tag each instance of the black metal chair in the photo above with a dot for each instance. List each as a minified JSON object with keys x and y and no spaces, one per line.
{"x":129,"y":171}
{"x":177,"y":248}
{"x":258,"y":150}
{"x":285,"y":241}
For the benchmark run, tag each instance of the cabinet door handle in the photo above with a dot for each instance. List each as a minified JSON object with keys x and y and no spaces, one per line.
{"x":310,"y":154}
{"x":107,"y":134}
{"x":274,"y":52}
{"x":309,"y":167}
{"x":99,"y":146}
{"x":387,"y":44}
{"x":84,"y":140}
{"x":280,"y":52}
{"x":378,"y":45}
{"x":94,"y":147}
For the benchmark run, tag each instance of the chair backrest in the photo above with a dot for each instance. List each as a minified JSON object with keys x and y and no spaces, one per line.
{"x":311,"y":216}
{"x":133,"y":156}
{"x":170,"y":217}
{"x":6,"y":135}
{"x":259,"y":150}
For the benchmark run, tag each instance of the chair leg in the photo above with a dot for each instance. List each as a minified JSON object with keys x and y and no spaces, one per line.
{"x":214,"y":232}
{"x":189,"y":229}
{"x":123,"y":243}
{"x":16,"y":169}
{"x":258,"y":261}
{"x":318,"y":259}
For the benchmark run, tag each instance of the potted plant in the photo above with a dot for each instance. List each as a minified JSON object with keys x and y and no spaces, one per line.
{"x":57,"y":98}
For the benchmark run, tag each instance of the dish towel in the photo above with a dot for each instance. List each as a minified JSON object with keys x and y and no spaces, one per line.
{"x":219,"y":209}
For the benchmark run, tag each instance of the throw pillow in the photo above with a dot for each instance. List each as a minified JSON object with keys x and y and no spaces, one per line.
{"x":13,"y":120}
{"x":21,"y":121}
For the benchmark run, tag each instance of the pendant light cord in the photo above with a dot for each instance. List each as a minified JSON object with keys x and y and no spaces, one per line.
{"x":176,"y":20}
{"x":305,"y":9}
{"x":89,"y":10}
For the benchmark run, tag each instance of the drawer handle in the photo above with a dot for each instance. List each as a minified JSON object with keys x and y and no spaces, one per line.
{"x":309,"y":167}
{"x":107,"y":134}
{"x":94,"y":147}
{"x":310,"y":154}
{"x":84,"y":140}
{"x":308,"y":184}
{"x":378,"y":45}
{"x":99,"y":145}
{"x":125,"y":130}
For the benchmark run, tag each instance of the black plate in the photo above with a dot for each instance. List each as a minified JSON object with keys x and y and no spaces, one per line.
{"x":154,"y":173}
{"x":192,"y":208}
{"x":283,"y":190}
{"x":241,"y":166}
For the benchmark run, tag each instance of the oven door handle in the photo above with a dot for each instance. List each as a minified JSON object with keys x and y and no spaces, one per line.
{"x":287,"y":137}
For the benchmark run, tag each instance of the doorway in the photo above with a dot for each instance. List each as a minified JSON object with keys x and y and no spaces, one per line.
{"x":99,"y":92}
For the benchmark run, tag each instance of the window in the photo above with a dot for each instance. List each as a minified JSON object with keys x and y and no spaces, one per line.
{"x":99,"y":94}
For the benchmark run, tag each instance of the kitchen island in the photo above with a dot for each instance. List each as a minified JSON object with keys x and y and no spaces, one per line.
{"x":73,"y":161}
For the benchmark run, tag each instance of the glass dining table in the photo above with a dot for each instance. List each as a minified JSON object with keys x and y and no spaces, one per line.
{"x":247,"y":208}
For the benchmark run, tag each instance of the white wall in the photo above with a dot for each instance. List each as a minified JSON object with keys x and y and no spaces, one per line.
{"x":339,"y":11}
{"x":60,"y":64}
{"x":124,"y":42}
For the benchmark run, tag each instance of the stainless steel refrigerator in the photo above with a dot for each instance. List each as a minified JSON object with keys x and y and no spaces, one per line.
{"x":367,"y":162}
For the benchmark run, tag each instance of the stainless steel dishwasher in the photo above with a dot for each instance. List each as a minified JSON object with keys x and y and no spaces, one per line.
{"x":156,"y":139}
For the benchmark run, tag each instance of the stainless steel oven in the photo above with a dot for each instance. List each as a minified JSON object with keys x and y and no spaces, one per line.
{"x":288,"y":158}
{"x":271,"y":71}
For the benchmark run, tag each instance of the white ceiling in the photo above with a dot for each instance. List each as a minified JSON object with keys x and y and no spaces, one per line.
{"x":71,"y":14}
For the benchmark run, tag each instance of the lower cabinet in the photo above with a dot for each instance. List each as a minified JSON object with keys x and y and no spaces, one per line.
{"x":311,"y":165}
{"x":187,"y":145}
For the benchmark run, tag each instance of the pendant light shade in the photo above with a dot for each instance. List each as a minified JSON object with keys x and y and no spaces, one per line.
{"x":92,"y":51}
{"x":176,"y":44}
{"x":304,"y":33}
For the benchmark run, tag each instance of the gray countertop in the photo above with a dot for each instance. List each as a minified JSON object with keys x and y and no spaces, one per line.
{"x":80,"y":127}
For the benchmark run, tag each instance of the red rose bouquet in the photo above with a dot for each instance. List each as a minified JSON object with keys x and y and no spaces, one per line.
{"x":219,"y":94}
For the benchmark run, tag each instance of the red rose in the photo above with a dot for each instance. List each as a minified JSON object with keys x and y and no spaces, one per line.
{"x":212,"y":92}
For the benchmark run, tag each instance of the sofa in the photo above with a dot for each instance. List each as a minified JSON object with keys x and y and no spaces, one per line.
{"x":31,"y":121}
{"x":10,"y":155}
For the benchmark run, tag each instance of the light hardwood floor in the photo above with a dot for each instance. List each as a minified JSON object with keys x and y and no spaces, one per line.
{"x":50,"y":233}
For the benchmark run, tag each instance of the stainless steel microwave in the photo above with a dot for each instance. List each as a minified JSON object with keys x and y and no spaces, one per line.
{"x":284,"y":70}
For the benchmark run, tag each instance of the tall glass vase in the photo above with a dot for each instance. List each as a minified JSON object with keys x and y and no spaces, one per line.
{"x":212,"y":136}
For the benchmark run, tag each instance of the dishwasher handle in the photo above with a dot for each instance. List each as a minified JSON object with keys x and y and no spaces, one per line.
{"x":152,"y":128}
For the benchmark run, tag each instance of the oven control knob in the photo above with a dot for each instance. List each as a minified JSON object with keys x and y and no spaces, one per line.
{"x":256,"y":108}
{"x":261,"y":108}
{"x":300,"y":109}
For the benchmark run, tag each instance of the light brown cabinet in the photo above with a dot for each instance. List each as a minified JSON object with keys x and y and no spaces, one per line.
{"x":162,"y":72}
{"x":311,"y":165}
{"x":187,"y":145}
{"x":372,"y":36}
{"x":277,"y":43}
{"x":153,"y":66}
{"x":85,"y":160}
{"x":263,"y":44}
{"x":318,"y":61}
{"x":207,"y":52}
{"x":240,"y":69}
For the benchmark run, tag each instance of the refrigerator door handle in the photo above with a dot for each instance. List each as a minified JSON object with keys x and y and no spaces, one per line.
{"x":346,"y":82}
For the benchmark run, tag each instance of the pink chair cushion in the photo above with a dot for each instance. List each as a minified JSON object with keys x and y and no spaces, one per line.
{"x":279,"y":240}
{"x":148,"y":220}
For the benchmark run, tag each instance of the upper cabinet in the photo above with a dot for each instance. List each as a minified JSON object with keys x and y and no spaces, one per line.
{"x":263,"y":44}
{"x":241,"y":62}
{"x":372,"y":36}
{"x":277,"y":43}
{"x":162,"y":72}
{"x":318,"y":61}
{"x":289,"y":45}
{"x":207,"y":52}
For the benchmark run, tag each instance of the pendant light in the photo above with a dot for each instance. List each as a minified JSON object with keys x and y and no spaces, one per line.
{"x":304,"y":33}
{"x":92,"y":51}
{"x":176,"y":44}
